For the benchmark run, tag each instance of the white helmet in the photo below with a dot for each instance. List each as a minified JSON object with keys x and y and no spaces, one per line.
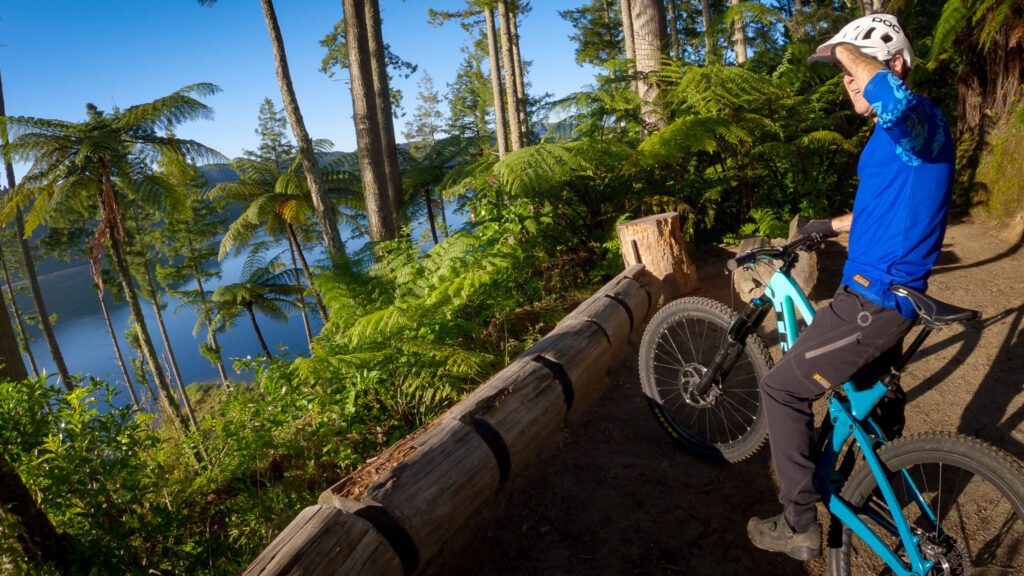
{"x":878,"y":35}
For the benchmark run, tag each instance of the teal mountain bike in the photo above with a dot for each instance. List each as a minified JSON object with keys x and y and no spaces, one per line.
{"x":921,"y":505}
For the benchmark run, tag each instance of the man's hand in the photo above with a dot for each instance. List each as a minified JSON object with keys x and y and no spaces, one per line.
{"x":823,"y":227}
{"x":857,"y":64}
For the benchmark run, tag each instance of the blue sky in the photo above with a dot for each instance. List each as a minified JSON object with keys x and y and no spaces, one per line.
{"x":56,"y":55}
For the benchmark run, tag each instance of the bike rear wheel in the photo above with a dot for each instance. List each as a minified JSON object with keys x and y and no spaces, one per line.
{"x":976,"y":492}
{"x":678,"y":345}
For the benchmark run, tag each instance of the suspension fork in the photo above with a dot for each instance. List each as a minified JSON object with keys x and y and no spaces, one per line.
{"x":727,"y":356}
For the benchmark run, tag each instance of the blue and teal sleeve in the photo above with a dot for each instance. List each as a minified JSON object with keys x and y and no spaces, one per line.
{"x":905,"y":116}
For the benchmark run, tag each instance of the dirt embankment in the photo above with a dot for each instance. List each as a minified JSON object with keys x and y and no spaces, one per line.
{"x":616,"y":497}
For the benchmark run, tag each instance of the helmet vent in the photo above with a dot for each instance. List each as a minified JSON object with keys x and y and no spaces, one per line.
{"x":886,"y":38}
{"x":869,"y":33}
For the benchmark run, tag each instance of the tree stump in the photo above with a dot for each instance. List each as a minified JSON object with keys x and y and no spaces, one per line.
{"x":657,"y":243}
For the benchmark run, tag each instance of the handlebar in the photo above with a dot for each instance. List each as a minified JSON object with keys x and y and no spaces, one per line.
{"x":807,"y":243}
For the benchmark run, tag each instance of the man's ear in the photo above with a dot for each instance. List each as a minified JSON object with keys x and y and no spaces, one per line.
{"x":898,"y":66}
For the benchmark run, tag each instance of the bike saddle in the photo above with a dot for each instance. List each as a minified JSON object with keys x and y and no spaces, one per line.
{"x":935,"y":311}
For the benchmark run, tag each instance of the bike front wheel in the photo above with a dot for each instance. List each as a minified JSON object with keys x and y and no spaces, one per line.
{"x":678,"y":345}
{"x":974,"y":491}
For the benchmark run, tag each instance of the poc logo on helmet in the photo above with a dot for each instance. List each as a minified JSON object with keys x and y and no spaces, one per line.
{"x":889,"y":23}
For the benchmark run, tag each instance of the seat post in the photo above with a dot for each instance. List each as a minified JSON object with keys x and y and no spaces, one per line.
{"x":892,"y":380}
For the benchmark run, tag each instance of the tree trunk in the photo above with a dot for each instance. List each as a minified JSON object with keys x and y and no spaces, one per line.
{"x":324,"y":208}
{"x":18,"y":323}
{"x":988,"y":89}
{"x":499,"y":107}
{"x":302,"y":295}
{"x":117,"y":351}
{"x":367,"y":124}
{"x":154,"y":296}
{"x":37,"y":297}
{"x":444,"y":218}
{"x":259,"y":333}
{"x":321,"y":308}
{"x":215,"y":345}
{"x":520,"y":77}
{"x":382,"y":98}
{"x":111,"y":219}
{"x":705,"y":11}
{"x":629,"y":40}
{"x":515,"y":130}
{"x":12,"y":366}
{"x":673,"y":30}
{"x":649,"y":38}
{"x":430,"y":213}
{"x":877,"y":6}
{"x":38,"y":538}
{"x":210,"y":331}
{"x":739,"y":37}
{"x":30,"y":266}
{"x":188,"y":406}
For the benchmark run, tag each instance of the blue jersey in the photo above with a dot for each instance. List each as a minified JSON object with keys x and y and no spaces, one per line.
{"x":906,"y":178}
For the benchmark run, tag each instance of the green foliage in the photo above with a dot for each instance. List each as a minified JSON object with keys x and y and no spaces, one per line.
{"x":426,"y":124}
{"x":765,"y":222}
{"x":335,"y":59}
{"x":987,"y":20}
{"x":597,"y":32}
{"x":412,"y":330}
{"x":275,"y":146}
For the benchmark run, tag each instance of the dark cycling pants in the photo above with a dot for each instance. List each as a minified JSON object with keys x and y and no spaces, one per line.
{"x":852,"y":338}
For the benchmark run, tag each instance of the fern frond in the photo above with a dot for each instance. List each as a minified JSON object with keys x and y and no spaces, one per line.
{"x":951,"y":22}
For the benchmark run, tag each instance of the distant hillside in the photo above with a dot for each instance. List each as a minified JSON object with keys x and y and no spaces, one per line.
{"x":222,"y":172}
{"x":218,"y":173}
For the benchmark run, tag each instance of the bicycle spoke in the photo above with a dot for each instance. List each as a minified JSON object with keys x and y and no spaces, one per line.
{"x":745,"y":411}
{"x":703,"y":335}
{"x":668,"y":358}
{"x":725,"y":423}
{"x":673,"y":342}
{"x":739,"y":418}
{"x":689,"y":340}
{"x":666,"y":398}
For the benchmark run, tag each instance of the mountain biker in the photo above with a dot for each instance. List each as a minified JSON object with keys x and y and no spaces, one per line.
{"x":896,"y":230}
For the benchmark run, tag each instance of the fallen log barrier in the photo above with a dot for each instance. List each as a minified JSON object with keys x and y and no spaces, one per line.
{"x":392,"y":516}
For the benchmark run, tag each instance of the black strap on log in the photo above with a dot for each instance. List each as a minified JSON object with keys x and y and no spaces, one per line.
{"x":396,"y":535}
{"x":490,"y":435}
{"x":601,"y":328}
{"x":625,"y":307}
{"x":558,"y":371}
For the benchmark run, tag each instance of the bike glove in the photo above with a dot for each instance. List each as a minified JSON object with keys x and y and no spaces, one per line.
{"x":823,"y":227}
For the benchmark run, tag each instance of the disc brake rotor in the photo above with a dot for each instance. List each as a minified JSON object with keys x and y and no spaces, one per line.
{"x":689,"y":377}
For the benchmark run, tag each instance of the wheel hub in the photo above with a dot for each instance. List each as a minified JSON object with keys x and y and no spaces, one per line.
{"x":689,"y":378}
{"x":946,"y":553}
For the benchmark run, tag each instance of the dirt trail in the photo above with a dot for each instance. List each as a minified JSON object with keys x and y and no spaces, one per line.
{"x":616,"y":497}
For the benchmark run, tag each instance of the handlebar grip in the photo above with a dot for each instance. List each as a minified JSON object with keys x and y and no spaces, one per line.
{"x":740,"y":261}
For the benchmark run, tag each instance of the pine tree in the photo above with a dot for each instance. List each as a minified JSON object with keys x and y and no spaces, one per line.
{"x":422,"y":134}
{"x":274,"y":144}
{"x":598,"y":31}
{"x":427,"y":119}
{"x":469,"y":97}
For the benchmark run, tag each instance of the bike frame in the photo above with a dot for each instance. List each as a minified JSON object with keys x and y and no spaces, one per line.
{"x":847,"y":416}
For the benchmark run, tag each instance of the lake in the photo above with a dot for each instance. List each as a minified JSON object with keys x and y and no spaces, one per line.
{"x":85,"y":342}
